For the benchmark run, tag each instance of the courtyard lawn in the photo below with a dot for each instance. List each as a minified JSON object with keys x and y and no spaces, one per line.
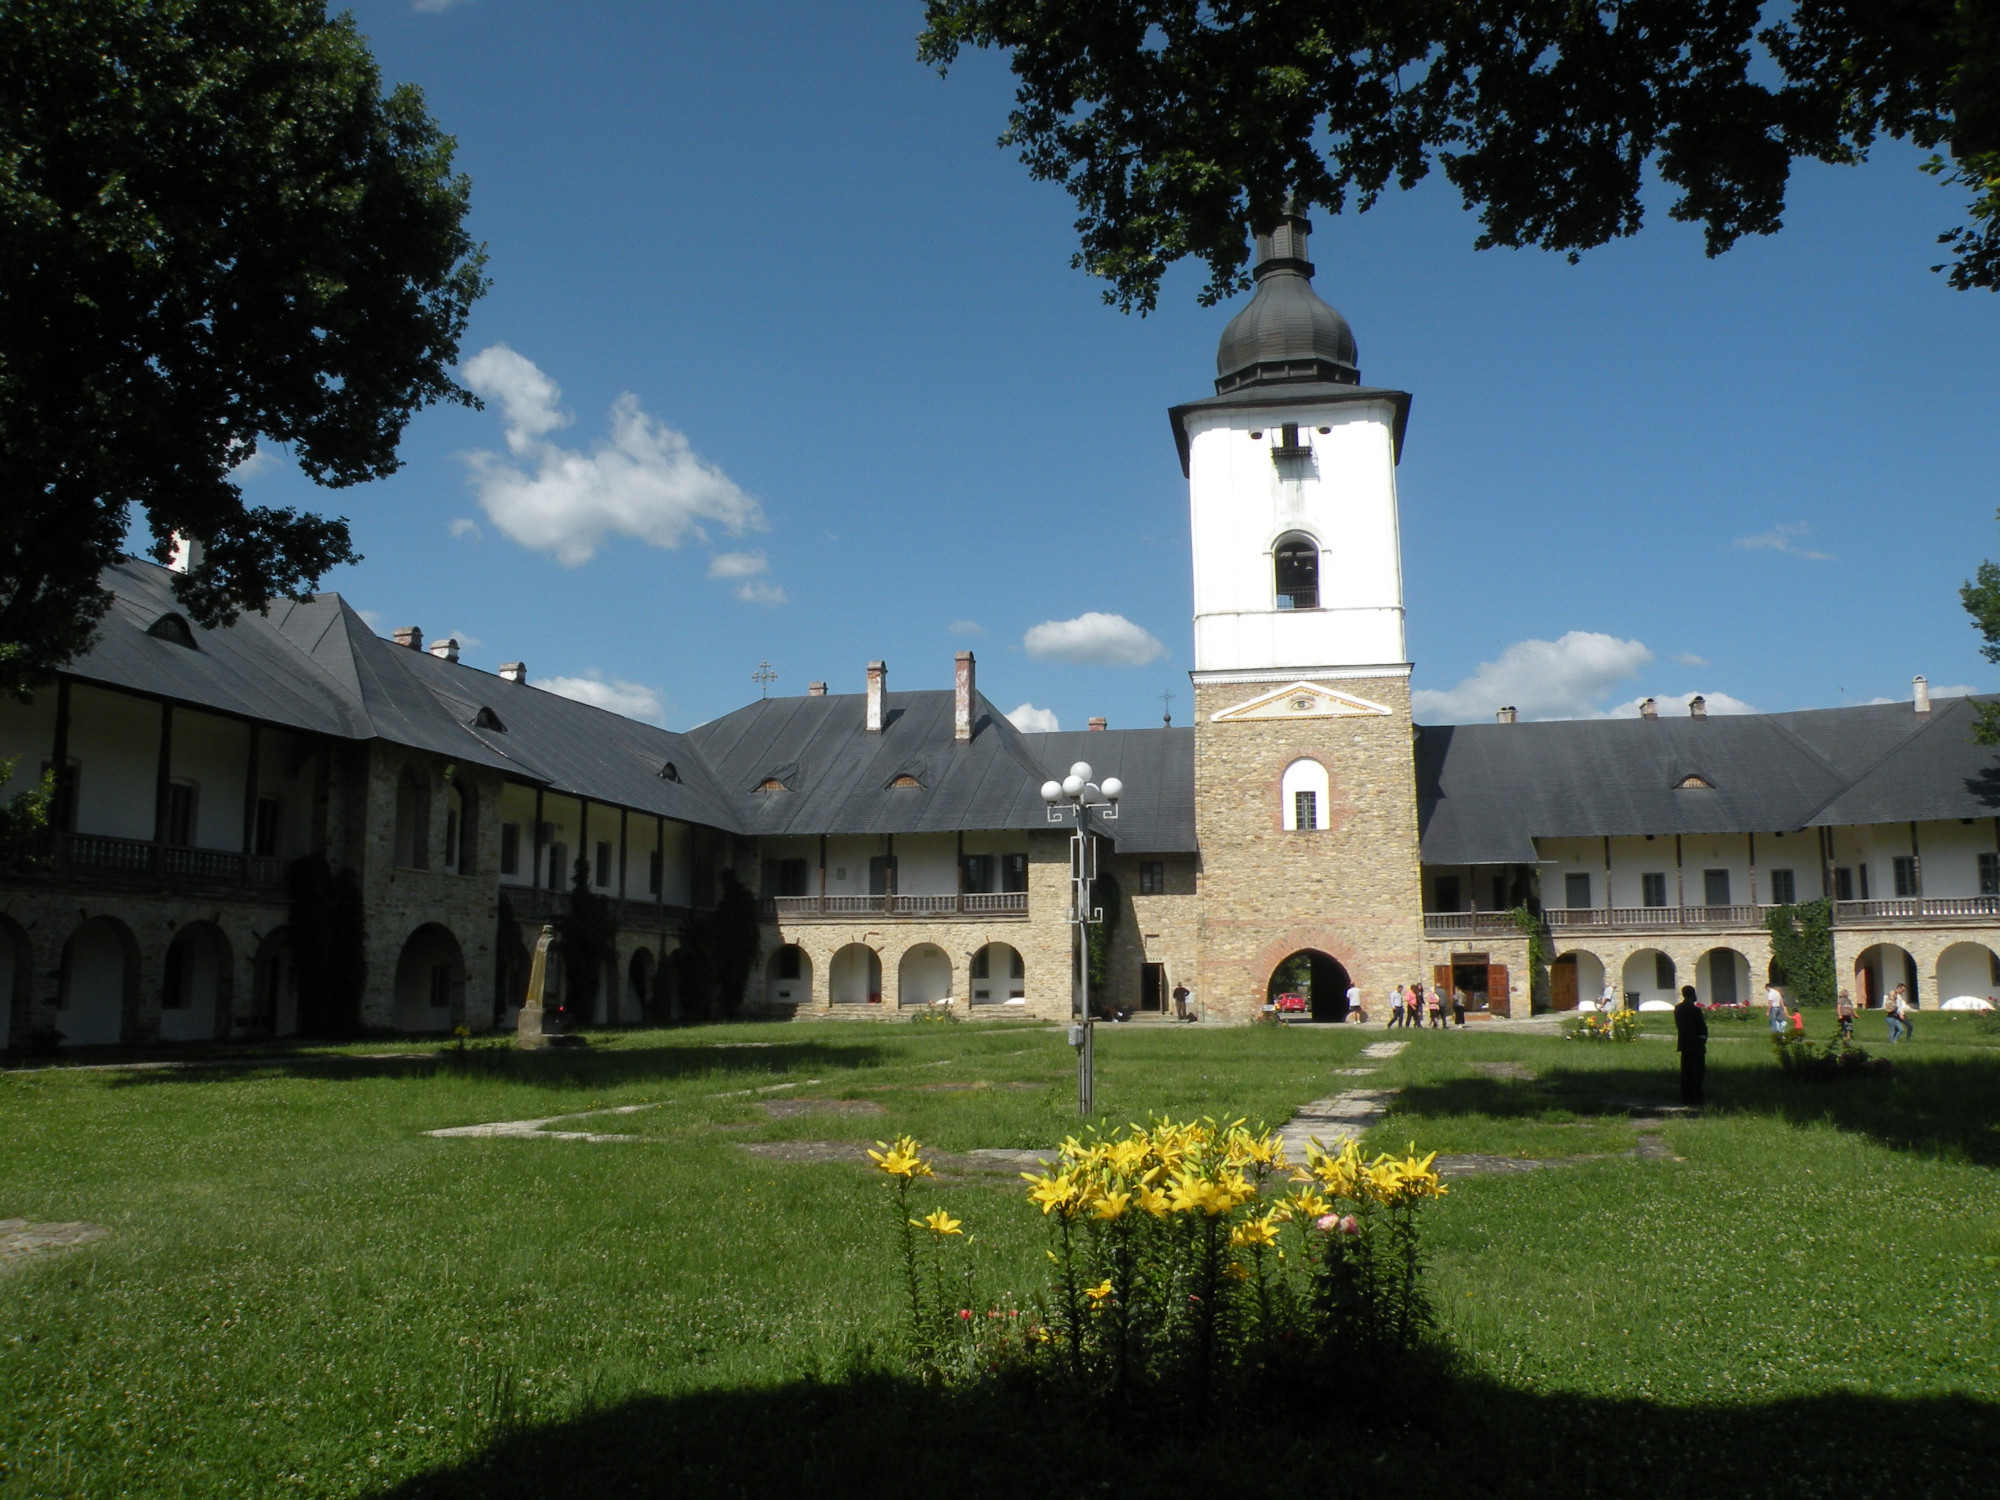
{"x":302,"y":1293}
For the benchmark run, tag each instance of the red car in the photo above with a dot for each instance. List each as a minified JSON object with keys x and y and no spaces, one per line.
{"x":1291,"y":1003}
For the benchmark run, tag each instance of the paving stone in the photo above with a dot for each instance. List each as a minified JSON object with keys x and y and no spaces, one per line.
{"x":22,"y":1239}
{"x":1383,"y":1049}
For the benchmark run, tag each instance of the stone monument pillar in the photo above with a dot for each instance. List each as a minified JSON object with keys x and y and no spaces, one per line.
{"x":531,"y":1031}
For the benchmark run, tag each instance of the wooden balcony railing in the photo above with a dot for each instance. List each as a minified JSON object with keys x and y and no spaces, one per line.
{"x":1905,"y":909}
{"x":142,"y":859}
{"x":535,"y":904}
{"x":1896,"y":911}
{"x":837,"y":908}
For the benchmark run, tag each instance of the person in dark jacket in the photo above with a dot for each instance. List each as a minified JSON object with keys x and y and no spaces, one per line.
{"x":1691,"y":1037}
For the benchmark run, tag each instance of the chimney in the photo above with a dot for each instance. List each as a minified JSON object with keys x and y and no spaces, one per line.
{"x":187,"y":554}
{"x":447,"y":649}
{"x":514,"y":671}
{"x":1649,"y":709}
{"x":878,"y":684}
{"x":815,"y":690}
{"x":962,"y":695}
{"x":1504,"y":715}
{"x":411,"y":636}
{"x":1923,"y":693}
{"x":1098,"y":723}
{"x":1697,"y":707}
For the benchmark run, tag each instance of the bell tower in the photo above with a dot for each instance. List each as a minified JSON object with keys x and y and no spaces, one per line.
{"x":1305,"y":786}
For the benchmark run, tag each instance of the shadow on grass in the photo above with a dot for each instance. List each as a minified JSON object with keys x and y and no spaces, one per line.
{"x":886,"y":1438}
{"x":579,"y":1067}
{"x":1935,"y":1105}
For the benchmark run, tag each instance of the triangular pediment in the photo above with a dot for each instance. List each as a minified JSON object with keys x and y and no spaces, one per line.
{"x":1302,"y":700}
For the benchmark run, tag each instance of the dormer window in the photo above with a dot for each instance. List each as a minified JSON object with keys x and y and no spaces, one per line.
{"x":771,"y":784}
{"x":1295,"y":570}
{"x":906,"y":782}
{"x":670,"y":772}
{"x":174,"y":628}
{"x":1694,"y":783}
{"x":487,"y":719}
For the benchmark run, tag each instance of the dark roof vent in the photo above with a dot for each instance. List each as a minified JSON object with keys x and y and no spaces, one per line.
{"x":175,"y":628}
{"x":487,"y":719}
{"x":1694,"y":782}
{"x":670,"y":772}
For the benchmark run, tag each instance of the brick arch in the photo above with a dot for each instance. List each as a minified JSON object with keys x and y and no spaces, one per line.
{"x":1327,"y":941}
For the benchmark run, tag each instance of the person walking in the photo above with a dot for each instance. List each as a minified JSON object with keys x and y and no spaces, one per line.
{"x":1353,"y":1001}
{"x":1458,"y":1005}
{"x":1604,"y":1001}
{"x":1844,"y":1009}
{"x":1437,"y":1008}
{"x":1774,"y":1007}
{"x":1691,"y":1040}
{"x":1396,"y":1007}
{"x":1898,"y":1027}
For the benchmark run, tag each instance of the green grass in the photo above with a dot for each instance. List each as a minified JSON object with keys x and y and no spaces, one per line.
{"x":304,"y":1294}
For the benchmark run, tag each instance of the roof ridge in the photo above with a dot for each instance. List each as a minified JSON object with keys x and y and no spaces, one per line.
{"x":1934,"y":719}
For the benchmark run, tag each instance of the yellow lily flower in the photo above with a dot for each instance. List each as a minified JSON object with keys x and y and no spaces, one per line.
{"x":1111,"y":1206}
{"x":1099,"y":1294}
{"x":938,"y":1222}
{"x":901,"y":1159}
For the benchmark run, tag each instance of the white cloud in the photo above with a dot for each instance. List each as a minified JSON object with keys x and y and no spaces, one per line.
{"x":1784,"y":539}
{"x":641,"y":480}
{"x":465,"y":642}
{"x":1032,"y":720}
{"x":260,"y":461}
{"x":1689,"y":659}
{"x":965,"y":627}
{"x":738,"y":565}
{"x":1669,"y":704}
{"x":1561,"y":679}
{"x":466,"y":526}
{"x":1957,"y":690}
{"x":1093,"y":639}
{"x":632,"y":699}
{"x":760,"y":591}
{"x":372,"y":618}
{"x":432,"y":7}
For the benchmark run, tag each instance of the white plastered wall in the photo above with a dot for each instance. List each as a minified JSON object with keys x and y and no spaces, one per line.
{"x":1344,"y":496}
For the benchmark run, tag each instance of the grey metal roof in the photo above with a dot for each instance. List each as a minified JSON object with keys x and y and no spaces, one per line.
{"x":837,"y":776}
{"x":1287,"y":331}
{"x":316,"y":666}
{"x":1485,"y":792}
{"x":1156,"y":814}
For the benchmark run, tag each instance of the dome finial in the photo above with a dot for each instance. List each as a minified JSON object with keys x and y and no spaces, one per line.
{"x":1287,"y":334}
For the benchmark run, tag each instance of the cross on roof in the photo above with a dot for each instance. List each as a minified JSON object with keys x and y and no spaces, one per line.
{"x":764,"y":676}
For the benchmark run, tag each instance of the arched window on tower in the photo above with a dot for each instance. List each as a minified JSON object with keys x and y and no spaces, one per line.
{"x":1304,"y":792}
{"x":1296,"y":568}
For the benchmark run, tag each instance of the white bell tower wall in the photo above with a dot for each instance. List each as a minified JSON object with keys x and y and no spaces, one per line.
{"x":1246,"y":494}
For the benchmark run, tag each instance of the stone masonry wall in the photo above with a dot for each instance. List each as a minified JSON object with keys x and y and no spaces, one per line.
{"x":1159,"y":929}
{"x":1350,"y":890}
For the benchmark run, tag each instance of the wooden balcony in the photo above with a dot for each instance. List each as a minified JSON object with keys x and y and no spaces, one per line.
{"x":1621,"y":919}
{"x":1900,"y":911}
{"x":982,"y":905}
{"x":98,"y":856}
{"x":1906,"y":911}
{"x":534,"y":904}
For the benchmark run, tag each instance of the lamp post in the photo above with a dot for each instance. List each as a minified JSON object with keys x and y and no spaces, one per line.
{"x":1071,"y":801}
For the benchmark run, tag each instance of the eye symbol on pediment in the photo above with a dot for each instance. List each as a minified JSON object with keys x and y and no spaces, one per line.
{"x":1300,"y":705}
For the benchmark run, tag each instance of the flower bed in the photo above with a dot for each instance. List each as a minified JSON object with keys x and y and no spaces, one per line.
{"x":1179,"y":1272}
{"x":1593,"y":1026}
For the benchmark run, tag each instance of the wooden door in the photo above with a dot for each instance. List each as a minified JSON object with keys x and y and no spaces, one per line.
{"x":1441,"y":979}
{"x":1562,"y":983}
{"x":1152,"y":987}
{"x":1498,"y":1002}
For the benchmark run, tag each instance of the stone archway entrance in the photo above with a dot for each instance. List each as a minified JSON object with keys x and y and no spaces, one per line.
{"x":1319,"y":977}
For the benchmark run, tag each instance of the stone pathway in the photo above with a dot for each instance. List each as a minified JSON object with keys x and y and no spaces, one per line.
{"x":1383,"y":1050}
{"x":1333,"y":1122}
{"x":21,"y":1239}
{"x":535,"y":1130}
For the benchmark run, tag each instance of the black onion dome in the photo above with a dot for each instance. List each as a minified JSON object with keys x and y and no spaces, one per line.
{"x":1286,"y":333}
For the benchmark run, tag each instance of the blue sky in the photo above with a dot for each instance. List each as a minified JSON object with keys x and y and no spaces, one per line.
{"x":758,"y":275}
